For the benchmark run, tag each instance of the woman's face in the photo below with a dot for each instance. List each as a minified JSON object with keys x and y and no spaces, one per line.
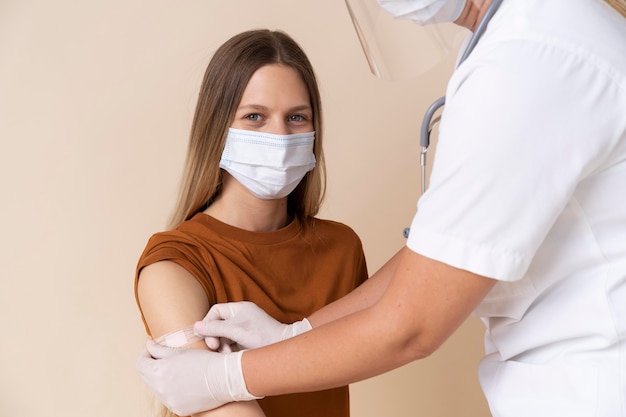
{"x":275,"y":101}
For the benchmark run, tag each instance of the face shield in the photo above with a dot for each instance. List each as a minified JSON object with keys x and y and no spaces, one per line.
{"x":403,"y":39}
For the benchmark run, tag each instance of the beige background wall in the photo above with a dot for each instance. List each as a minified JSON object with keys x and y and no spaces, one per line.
{"x":96,"y":99}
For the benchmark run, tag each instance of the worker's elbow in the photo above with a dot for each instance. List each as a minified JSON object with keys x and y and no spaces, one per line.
{"x":416,"y":339}
{"x":408,"y":338}
{"x":420,"y":346}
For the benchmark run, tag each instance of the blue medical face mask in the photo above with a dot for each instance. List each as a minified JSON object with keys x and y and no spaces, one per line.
{"x":269,"y":166}
{"x":424,"y":12}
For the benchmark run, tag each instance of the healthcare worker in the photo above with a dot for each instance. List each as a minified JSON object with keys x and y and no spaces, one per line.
{"x":524,"y":224}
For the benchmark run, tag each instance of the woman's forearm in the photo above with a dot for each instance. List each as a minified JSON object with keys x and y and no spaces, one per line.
{"x":236,"y":409}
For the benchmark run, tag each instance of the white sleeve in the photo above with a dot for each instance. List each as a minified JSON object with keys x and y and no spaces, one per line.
{"x":515,"y":140}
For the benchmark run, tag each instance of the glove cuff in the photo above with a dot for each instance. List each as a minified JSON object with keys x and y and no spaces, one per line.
{"x":236,"y":382}
{"x":301,"y":326}
{"x":295,"y":328}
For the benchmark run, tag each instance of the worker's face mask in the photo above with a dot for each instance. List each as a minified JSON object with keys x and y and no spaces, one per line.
{"x":424,"y":12}
{"x":269,"y":166}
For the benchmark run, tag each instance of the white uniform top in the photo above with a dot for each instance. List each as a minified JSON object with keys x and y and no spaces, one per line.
{"x":529,"y":187}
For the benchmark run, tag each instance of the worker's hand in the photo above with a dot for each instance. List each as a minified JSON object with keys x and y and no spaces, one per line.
{"x":188,"y":381}
{"x":242,"y":325}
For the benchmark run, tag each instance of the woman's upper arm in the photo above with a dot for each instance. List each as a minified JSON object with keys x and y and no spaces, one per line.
{"x":171,"y":299}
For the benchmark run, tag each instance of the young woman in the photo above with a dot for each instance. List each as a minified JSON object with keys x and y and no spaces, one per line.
{"x":244,"y":226}
{"x":531,"y":241}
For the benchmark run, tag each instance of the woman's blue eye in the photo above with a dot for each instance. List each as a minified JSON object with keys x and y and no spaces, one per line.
{"x":254,"y":117}
{"x":296,"y":118}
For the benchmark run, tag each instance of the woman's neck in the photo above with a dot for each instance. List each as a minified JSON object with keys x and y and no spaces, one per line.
{"x":235,"y":206}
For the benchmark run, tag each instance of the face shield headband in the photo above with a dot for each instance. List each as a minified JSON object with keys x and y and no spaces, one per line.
{"x":403,"y":39}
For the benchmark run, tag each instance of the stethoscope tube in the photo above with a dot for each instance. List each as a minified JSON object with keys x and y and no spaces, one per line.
{"x":427,"y":124}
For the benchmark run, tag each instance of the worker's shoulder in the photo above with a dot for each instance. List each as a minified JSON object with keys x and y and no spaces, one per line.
{"x":591,"y":29}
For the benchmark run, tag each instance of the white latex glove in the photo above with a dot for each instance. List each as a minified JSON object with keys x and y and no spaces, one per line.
{"x":188,"y":381}
{"x":243,"y":325}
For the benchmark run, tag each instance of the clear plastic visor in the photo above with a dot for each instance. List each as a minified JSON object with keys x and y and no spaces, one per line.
{"x":398,"y":48}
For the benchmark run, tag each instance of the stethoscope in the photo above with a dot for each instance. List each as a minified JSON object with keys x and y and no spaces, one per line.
{"x":430,"y":120}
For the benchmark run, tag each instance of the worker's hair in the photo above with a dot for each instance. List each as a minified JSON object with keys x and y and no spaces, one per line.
{"x":225,"y":80}
{"x":619,"y":5}
{"x":163,"y":411}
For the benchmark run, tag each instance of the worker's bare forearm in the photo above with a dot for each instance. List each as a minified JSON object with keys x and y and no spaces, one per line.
{"x":366,"y":295}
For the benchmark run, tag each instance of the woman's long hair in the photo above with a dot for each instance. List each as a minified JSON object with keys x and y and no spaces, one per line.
{"x":224,"y":82}
{"x":619,"y":5}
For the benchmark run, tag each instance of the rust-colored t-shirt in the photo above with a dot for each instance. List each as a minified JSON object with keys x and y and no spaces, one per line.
{"x":290,"y":273}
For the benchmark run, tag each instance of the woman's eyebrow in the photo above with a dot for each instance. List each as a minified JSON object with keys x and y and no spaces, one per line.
{"x":262,"y":107}
{"x":252,"y":106}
